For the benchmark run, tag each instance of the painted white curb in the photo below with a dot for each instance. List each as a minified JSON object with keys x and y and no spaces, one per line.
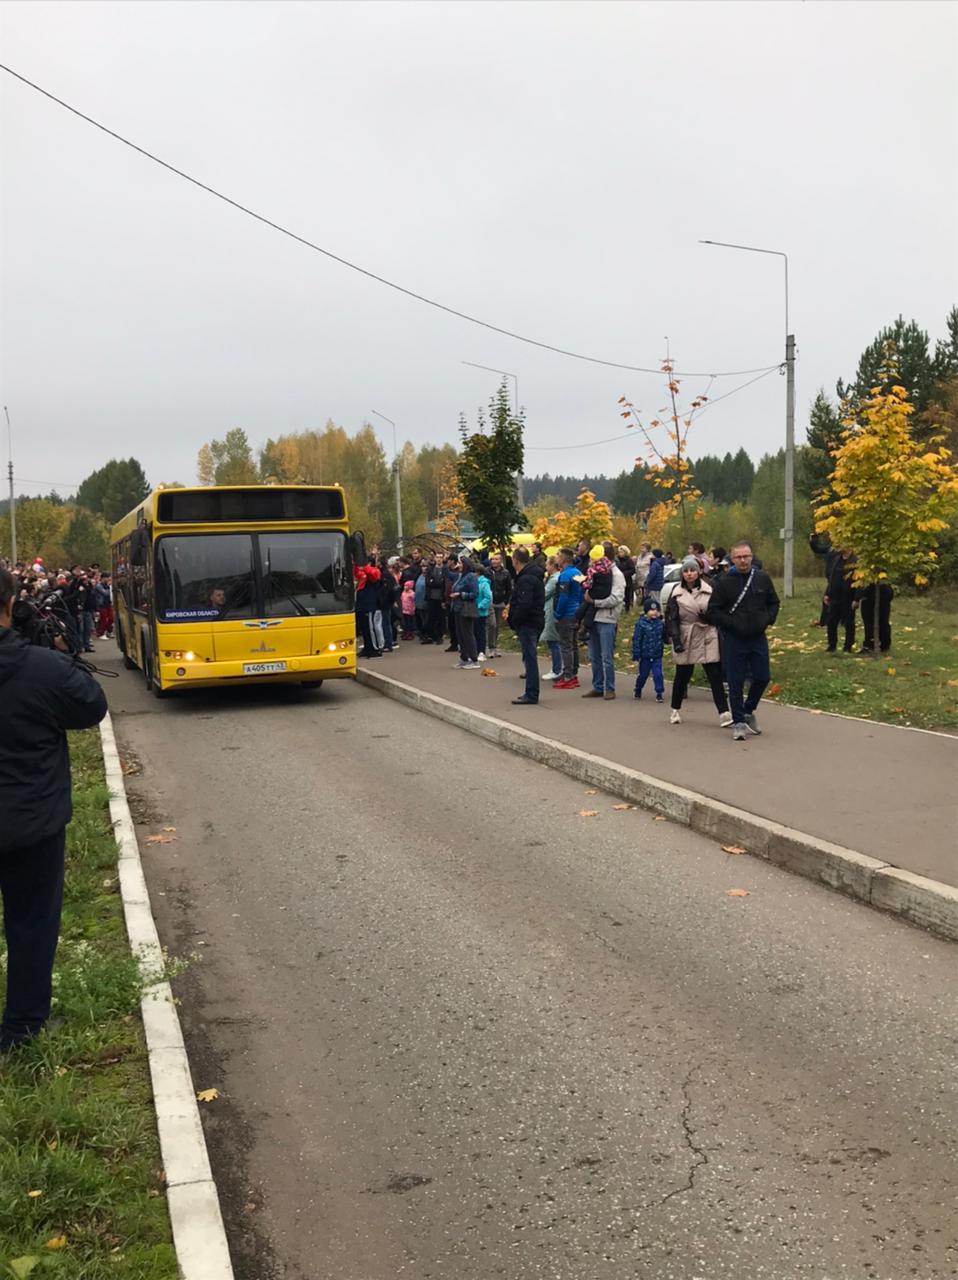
{"x":198,"y":1234}
{"x":927,"y":903}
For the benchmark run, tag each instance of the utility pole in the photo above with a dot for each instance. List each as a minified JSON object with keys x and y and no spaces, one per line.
{"x":399,"y":537}
{"x":13,"y":505}
{"x":789,"y":531}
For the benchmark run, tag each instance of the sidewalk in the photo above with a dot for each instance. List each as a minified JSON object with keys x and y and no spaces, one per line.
{"x":887,"y":792}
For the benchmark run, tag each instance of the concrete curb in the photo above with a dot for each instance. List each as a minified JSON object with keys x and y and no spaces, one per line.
{"x":202,"y":1251}
{"x":927,"y":903}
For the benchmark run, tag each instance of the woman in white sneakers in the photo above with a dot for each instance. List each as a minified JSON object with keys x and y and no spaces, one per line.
{"x":693,"y":640}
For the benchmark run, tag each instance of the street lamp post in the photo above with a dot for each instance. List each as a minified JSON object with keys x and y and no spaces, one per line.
{"x":788,"y":532}
{"x":13,"y":505}
{"x":399,"y":537}
{"x":515,"y":379}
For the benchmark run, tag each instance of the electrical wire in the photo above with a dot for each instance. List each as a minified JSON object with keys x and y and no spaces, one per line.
{"x":371,"y":275}
{"x":557,"y":448}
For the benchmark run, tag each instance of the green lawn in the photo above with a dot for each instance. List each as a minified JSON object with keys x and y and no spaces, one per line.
{"x":81,"y":1188}
{"x":917,"y":684}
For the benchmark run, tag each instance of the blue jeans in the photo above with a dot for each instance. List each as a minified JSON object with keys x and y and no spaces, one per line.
{"x":528,"y":642}
{"x":86,"y":628}
{"x":601,"y":649}
{"x":647,"y":667}
{"x":745,"y":660}
{"x":388,"y":639}
{"x":555,"y":653}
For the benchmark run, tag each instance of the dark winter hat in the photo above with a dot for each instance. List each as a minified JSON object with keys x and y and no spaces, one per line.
{"x":650,"y":604}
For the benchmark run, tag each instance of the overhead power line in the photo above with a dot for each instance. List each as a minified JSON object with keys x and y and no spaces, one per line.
{"x":371,"y":275}
{"x":588,"y":444}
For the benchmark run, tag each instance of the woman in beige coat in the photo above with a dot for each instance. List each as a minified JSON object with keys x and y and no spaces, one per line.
{"x":693,"y":640}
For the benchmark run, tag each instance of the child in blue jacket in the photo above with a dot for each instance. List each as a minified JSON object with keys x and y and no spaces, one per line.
{"x":648,"y":642}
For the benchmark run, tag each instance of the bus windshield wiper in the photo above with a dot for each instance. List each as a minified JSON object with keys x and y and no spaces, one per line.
{"x":267,"y":592}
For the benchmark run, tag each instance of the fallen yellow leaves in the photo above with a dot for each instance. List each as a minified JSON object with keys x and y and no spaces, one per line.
{"x":57,"y":1242}
{"x":588,"y":813}
{"x":733,"y":848}
{"x":659,"y":817}
{"x":165,"y":837}
{"x":737,"y":893}
{"x":621,"y":807}
{"x":34,"y":1194}
{"x":488,"y":671}
{"x":893,"y":672}
{"x":593,"y":792}
{"x":208,"y":1095}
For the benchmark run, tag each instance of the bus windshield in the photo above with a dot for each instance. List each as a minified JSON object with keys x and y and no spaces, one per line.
{"x":211,"y":576}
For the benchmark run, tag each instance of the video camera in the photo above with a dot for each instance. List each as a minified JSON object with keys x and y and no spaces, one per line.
{"x":46,"y":621}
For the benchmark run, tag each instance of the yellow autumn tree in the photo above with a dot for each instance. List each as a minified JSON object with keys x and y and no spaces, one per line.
{"x":451,"y":503}
{"x":892,"y":497}
{"x":591,"y":520}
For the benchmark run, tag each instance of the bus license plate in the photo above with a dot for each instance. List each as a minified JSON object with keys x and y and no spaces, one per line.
{"x":262,"y":668}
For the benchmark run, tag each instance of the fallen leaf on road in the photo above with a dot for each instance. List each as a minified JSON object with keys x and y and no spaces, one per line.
{"x":624,"y":806}
{"x":736,"y":893}
{"x":208,"y":1095}
{"x":588,"y":813}
{"x":169,"y":828}
{"x":57,"y":1242}
{"x":659,"y":817}
{"x":814,"y":711}
{"x":163,"y":839}
{"x":593,"y":792}
{"x":488,"y":671}
{"x":733,"y":848}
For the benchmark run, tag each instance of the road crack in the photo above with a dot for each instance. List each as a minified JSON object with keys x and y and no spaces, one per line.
{"x":699,"y":1155}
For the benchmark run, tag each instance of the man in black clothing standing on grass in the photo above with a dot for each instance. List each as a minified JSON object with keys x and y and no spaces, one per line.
{"x":743,"y":606}
{"x":42,"y":694}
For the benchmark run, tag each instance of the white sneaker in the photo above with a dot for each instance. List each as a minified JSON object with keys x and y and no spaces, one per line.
{"x":481,"y":657}
{"x":470,"y":666}
{"x":725,"y":719}
{"x":675,"y":718}
{"x":549,"y":675}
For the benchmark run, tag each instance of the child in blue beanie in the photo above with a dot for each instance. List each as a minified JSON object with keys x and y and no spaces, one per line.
{"x":648,"y":642}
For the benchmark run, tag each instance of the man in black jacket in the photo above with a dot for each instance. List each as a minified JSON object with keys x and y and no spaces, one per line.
{"x":840,"y":597}
{"x":527,"y":617}
{"x":42,"y":694}
{"x":743,"y":606}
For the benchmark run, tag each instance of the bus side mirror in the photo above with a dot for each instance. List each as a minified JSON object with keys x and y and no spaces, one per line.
{"x":357,"y":548}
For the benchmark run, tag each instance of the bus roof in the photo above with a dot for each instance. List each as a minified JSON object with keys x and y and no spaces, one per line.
{"x":147,"y":512}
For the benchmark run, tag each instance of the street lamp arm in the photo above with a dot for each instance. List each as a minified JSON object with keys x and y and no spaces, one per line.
{"x":751,"y":248}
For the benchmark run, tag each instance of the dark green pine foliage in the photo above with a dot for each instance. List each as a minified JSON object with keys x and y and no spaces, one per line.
{"x":114,"y":489}
{"x":916,"y":366}
{"x":488,"y":465}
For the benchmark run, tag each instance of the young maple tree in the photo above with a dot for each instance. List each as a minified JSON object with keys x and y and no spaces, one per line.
{"x":669,"y":466}
{"x":891,"y":495}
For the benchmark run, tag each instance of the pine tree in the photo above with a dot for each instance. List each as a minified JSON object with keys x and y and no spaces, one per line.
{"x":488,"y":465}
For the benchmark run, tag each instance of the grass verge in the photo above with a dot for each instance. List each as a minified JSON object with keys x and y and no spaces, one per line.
{"x":916,"y":684}
{"x":81,"y":1184}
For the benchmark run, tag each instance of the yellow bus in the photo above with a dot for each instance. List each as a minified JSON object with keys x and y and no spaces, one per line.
{"x":236,"y":584}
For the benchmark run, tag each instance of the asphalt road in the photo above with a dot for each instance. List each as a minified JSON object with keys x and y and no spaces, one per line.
{"x":461,"y":1031}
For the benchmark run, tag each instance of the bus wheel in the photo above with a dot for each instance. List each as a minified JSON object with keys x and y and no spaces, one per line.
{"x":152,"y":683}
{"x":311,"y":684}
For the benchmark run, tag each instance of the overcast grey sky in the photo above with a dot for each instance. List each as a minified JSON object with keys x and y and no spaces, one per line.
{"x":548,"y":167}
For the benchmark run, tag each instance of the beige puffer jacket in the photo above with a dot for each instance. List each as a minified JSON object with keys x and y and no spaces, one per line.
{"x":700,"y":642}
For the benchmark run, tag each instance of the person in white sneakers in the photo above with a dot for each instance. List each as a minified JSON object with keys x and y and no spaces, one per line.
{"x":694,"y":640}
{"x":550,"y":636}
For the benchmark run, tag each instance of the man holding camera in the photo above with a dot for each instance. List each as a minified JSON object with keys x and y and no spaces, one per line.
{"x":42,"y":694}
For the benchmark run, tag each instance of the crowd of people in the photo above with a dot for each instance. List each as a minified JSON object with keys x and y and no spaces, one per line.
{"x":716,"y":616}
{"x":83,"y":597}
{"x":843,"y":601}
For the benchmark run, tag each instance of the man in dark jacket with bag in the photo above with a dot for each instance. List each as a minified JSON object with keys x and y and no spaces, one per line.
{"x":42,"y":694}
{"x":743,"y":606}
{"x":527,"y":617}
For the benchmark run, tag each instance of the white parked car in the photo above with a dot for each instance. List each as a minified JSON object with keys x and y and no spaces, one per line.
{"x":673,"y":573}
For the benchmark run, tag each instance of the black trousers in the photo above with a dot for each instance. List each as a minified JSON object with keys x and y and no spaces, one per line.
{"x":680,"y":684}
{"x":867,"y":607}
{"x":840,"y":612}
{"x":31,"y":882}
